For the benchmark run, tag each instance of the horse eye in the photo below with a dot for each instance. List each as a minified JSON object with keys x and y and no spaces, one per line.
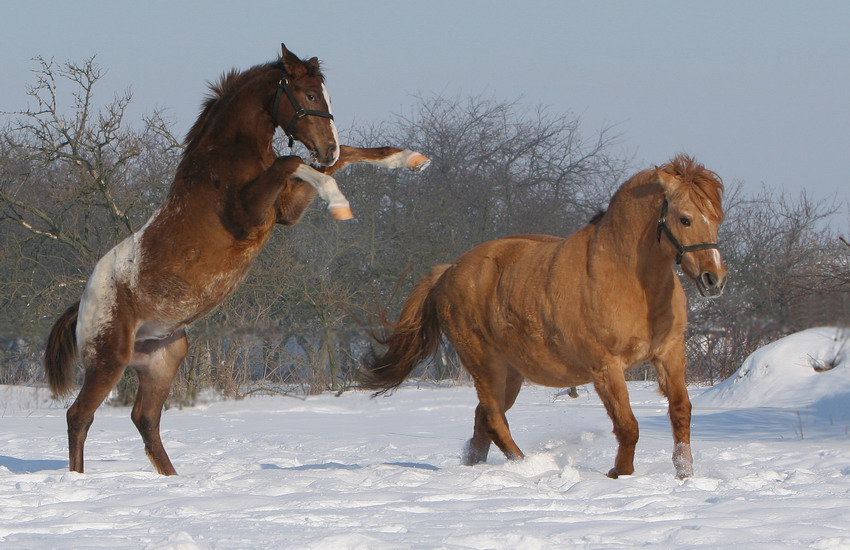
{"x":311,"y":97}
{"x":685,"y":221}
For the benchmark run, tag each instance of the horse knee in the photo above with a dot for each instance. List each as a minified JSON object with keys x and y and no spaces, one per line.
{"x":138,"y":418}
{"x":627,"y":433}
{"x":145,"y":418}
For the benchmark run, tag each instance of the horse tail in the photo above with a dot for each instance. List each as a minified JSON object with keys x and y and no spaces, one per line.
{"x":61,"y":351}
{"x":413,"y":339}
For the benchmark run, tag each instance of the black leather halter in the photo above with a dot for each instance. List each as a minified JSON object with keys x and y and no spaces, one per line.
{"x":680,"y":250}
{"x":300,"y":112}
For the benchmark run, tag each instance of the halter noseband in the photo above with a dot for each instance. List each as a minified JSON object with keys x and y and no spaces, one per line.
{"x":300,"y":112}
{"x":680,"y":250}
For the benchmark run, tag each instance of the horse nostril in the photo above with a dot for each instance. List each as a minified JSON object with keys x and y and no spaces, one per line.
{"x":709,"y":279}
{"x":332,"y":153}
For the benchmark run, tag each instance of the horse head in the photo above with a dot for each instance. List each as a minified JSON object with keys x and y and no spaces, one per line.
{"x":689,"y":220}
{"x":302,"y":107}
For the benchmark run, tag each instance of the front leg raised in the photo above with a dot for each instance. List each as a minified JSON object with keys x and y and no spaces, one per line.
{"x":328,"y":190}
{"x":387,"y":157}
{"x":257,"y":198}
{"x":262,"y":196}
{"x":294,"y":200}
{"x":295,"y":197}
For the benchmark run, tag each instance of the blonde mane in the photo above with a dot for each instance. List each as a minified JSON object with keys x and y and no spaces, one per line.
{"x":700,"y":186}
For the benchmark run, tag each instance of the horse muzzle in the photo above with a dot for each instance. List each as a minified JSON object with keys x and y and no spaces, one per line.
{"x":328,"y":156}
{"x":710,"y":284}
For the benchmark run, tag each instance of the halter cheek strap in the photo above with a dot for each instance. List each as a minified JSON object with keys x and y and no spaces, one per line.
{"x":283,"y":87}
{"x":680,"y":249}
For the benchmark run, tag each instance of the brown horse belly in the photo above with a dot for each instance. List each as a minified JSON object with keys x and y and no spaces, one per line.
{"x":173,"y":294}
{"x":541,"y":359}
{"x":180,"y":298}
{"x":556,"y":375}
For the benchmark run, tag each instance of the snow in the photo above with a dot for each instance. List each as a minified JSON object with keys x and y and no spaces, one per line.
{"x":792,"y":372}
{"x":772,"y":470}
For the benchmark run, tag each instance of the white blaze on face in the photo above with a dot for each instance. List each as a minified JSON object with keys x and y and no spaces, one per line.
{"x":327,"y":97}
{"x":715,"y":255}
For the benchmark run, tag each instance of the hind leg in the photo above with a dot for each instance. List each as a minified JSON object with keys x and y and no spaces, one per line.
{"x":104,"y":364}
{"x":497,"y":392}
{"x":156,"y":363}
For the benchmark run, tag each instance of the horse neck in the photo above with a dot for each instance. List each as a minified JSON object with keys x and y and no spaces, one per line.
{"x":242,"y":115}
{"x":629,"y":233}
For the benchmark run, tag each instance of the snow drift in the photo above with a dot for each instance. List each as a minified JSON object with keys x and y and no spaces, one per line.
{"x":807,"y":371}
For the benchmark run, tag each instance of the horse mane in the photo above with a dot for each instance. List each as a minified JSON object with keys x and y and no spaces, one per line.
{"x":702,"y":187}
{"x":227,"y":84}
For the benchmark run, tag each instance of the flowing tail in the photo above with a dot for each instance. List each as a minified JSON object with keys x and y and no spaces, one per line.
{"x":61,"y":352}
{"x":414,"y":338}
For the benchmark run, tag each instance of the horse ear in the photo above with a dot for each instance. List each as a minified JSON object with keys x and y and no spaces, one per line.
{"x":667,"y":180}
{"x":288,"y":58}
{"x":314,"y":63}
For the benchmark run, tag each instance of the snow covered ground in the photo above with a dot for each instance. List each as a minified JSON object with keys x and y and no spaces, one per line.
{"x":354,"y":472}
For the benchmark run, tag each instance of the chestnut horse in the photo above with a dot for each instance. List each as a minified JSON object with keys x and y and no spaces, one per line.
{"x":228,"y":193}
{"x":562,"y":312}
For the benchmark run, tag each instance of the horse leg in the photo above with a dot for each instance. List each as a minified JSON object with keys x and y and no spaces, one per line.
{"x":156,"y":363}
{"x":387,"y":157}
{"x":262,"y":194}
{"x":512,"y":386}
{"x":671,"y":380}
{"x":497,"y":392}
{"x":610,"y":384}
{"x":327,"y":189}
{"x":105,"y":363}
{"x":478,"y":447}
{"x":294,"y":199}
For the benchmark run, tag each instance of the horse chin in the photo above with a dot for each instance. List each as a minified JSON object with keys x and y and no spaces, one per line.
{"x":708,"y":293}
{"x":318,"y":162}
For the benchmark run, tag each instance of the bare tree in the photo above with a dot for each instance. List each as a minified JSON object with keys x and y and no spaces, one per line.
{"x":776,"y":249}
{"x":74,"y":180}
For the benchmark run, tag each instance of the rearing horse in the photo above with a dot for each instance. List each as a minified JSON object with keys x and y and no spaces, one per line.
{"x":229,"y":191}
{"x":563,"y":312}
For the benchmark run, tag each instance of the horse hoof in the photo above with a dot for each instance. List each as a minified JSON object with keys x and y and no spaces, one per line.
{"x":341,"y":212}
{"x":684,"y":472}
{"x":417,"y":162}
{"x":683,"y":460}
{"x":614,"y":473}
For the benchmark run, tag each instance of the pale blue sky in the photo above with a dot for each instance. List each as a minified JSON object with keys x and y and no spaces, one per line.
{"x":759,"y":91}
